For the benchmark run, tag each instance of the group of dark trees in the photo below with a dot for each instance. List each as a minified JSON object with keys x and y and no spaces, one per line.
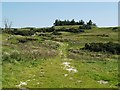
{"x":72,"y":22}
{"x":110,"y":47}
{"x":67,"y":22}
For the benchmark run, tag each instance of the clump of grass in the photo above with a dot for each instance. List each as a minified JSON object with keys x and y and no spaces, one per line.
{"x":49,"y":44}
{"x":27,"y":53}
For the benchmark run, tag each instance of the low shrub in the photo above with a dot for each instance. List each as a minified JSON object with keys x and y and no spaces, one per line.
{"x":73,"y":30}
{"x":85,"y":27}
{"x":51,"y":45}
{"x":104,"y":35}
{"x":23,"y":40}
{"x":110,"y":47}
{"x":114,"y":28}
{"x":56,"y":33}
{"x":22,"y":32}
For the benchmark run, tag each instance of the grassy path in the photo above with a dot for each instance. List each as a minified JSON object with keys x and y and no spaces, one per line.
{"x":51,"y":73}
{"x":57,"y":69}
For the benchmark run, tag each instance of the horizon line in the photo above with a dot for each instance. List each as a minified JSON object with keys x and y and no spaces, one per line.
{"x":64,"y":25}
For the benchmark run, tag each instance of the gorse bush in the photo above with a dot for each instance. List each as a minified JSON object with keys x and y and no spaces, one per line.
{"x":110,"y":47}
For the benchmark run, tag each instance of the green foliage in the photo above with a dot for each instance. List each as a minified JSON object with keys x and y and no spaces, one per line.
{"x":115,"y":28}
{"x":23,"y":40}
{"x":72,"y":22}
{"x":12,"y":57}
{"x":51,"y":29}
{"x":66,"y":26}
{"x":56,"y":33}
{"x":85,"y":27}
{"x":111,"y":47}
{"x":22,"y":32}
{"x":73,"y":30}
{"x":51,"y":45}
{"x":90,"y":22}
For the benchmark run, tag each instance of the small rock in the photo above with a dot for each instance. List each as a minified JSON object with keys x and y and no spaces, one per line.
{"x":65,"y":75}
{"x":79,"y":81}
{"x":71,"y":78}
{"x":102,"y":82}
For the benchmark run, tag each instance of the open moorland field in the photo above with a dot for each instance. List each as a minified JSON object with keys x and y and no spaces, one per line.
{"x":58,"y":60}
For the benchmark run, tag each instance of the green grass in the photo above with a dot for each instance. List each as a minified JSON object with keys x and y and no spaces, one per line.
{"x":67,"y":26}
{"x":40,"y":64}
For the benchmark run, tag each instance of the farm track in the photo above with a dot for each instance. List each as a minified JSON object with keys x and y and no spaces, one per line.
{"x":49,"y":68}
